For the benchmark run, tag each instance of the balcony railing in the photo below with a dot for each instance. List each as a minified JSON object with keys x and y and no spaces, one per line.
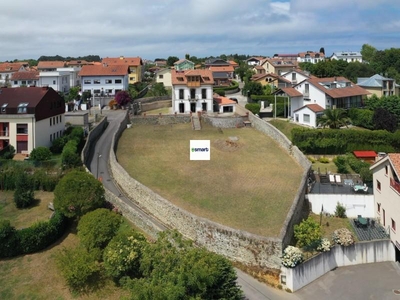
{"x":4,"y":133}
{"x":395,"y":185}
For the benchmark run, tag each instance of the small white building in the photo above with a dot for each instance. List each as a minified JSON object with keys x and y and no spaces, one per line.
{"x":225,"y":104}
{"x":311,"y":57}
{"x":295,"y":76}
{"x":58,"y":81}
{"x":8,"y":69}
{"x":164,"y":76}
{"x":349,"y":56}
{"x":386,"y":181}
{"x":192,"y":91}
{"x":25,"y":79}
{"x":73,"y":72}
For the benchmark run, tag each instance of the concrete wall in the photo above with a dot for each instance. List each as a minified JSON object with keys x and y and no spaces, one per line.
{"x":339,"y":256}
{"x":224,"y":122}
{"x":160,"y":120}
{"x":91,"y":141}
{"x":355,"y":204}
{"x":155,"y":105}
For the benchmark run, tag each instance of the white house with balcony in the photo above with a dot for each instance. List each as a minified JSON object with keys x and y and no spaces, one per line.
{"x":25,"y":79}
{"x":311,"y":57}
{"x":192,"y":91}
{"x":57,"y":80}
{"x":295,"y":76}
{"x":349,"y":56}
{"x":386,"y":181}
{"x":73,"y":72}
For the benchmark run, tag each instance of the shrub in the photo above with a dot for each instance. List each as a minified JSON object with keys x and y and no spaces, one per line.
{"x":69,"y":156}
{"x":253,"y":107}
{"x":324,"y":246}
{"x":341,"y":164}
{"x":112,"y":103}
{"x":8,"y":152}
{"x":58,"y":145}
{"x":340,"y":211}
{"x":23,"y":194}
{"x":40,"y":154}
{"x":123,"y":98}
{"x":292,"y":256}
{"x":308,"y":233}
{"x":9,"y":243}
{"x":324,"y":160}
{"x":343,"y":237}
{"x":220,"y":92}
{"x":311,"y":159}
{"x":366,"y":174}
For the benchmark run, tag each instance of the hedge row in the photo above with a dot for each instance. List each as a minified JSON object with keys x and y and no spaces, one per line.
{"x":39,"y":179}
{"x":69,"y":156}
{"x":334,"y":141}
{"x":269,"y":98}
{"x":234,"y":85}
{"x":29,"y":240}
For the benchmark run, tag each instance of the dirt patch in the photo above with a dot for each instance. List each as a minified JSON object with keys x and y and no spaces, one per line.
{"x":228,"y":145}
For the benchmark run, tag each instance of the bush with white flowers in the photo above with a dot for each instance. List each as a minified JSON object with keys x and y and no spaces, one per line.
{"x":324,"y":246}
{"x":343,"y":237}
{"x":292,"y":256}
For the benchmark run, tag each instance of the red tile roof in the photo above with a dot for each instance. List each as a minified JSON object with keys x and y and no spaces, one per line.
{"x":233,"y":63}
{"x":395,"y":160}
{"x":221,"y":68}
{"x":180,"y":77}
{"x":364,"y":154}
{"x":100,"y":70}
{"x":130,"y":61}
{"x":292,"y":92}
{"x":313,"y":107}
{"x":50,"y":64}
{"x":312,"y":54}
{"x":10,"y":67}
{"x":353,"y":90}
{"x":223,"y":100}
{"x":27,"y":75}
{"x":257,"y":77}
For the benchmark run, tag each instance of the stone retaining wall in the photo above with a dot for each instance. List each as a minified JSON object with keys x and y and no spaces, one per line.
{"x":156,"y":105}
{"x":91,"y":139}
{"x":160,"y":120}
{"x":225,"y":122}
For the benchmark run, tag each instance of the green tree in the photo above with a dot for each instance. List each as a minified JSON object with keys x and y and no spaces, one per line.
{"x":171,"y":60}
{"x":40,"y":154}
{"x":322,"y":50}
{"x":9,"y":243}
{"x":123,"y":254}
{"x":73,"y":93}
{"x":78,"y":193}
{"x":23,"y":194}
{"x":384,"y":120}
{"x":333,"y":118}
{"x":253,"y":88}
{"x":157,"y":89}
{"x":308,"y":233}
{"x":123,"y":98}
{"x":368,"y":52}
{"x":98,"y":227}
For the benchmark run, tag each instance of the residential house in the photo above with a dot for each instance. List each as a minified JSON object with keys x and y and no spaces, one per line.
{"x":257,"y":69}
{"x":225,"y":105}
{"x":104,"y":79}
{"x":308,"y":114}
{"x":311,"y":57}
{"x":30,"y":117}
{"x":135,"y":64}
{"x":286,"y":56}
{"x":233,"y":63}
{"x":25,"y":78}
{"x":57,"y":80}
{"x":162,"y":63}
{"x":8,"y":69}
{"x":183,"y":64}
{"x":255,"y":60}
{"x":222,"y":74}
{"x":192,"y":91}
{"x":50,"y":66}
{"x":332,"y":92}
{"x":379,"y":85}
{"x":271,"y":79}
{"x":216,"y":62}
{"x":164,"y":76}
{"x":296,"y":75}
{"x":78,"y":63}
{"x":279,"y":66}
{"x":349,"y":56}
{"x":73,"y":73}
{"x":386,"y":185}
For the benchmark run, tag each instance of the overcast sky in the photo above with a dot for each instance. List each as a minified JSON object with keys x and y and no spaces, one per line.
{"x":161,"y":28}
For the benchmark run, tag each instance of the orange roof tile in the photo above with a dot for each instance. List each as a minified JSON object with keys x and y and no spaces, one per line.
{"x":395,"y":160}
{"x":50,"y":64}
{"x":313,"y":107}
{"x":233,"y":63}
{"x":292,"y":92}
{"x":100,"y":70}
{"x":10,"y":67}
{"x":28,"y":75}
{"x":353,"y":90}
{"x":131,"y":61}
{"x":221,"y":68}
{"x":223,"y":100}
{"x":180,"y":77}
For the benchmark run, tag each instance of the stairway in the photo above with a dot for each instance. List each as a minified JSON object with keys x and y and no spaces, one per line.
{"x":196,"y":123}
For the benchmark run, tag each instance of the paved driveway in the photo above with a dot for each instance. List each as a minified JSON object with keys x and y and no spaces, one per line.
{"x":367,"y":281}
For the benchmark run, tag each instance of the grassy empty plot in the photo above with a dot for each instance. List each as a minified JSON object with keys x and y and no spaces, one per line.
{"x":284,"y":126}
{"x":20,"y":218}
{"x":248,"y":184}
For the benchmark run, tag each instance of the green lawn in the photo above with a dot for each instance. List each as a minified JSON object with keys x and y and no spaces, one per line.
{"x":284,"y":126}
{"x":248,"y":185}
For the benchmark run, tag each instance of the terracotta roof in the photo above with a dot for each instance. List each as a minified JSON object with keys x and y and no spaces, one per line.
{"x":364,"y":154}
{"x":292,"y":92}
{"x":353,"y":90}
{"x":311,"y":54}
{"x":313,"y":107}
{"x":280,"y":62}
{"x":255,"y":58}
{"x":10,"y":67}
{"x":131,"y":61}
{"x":50,"y":64}
{"x":180,"y":77}
{"x":256,"y":77}
{"x":27,"y":75}
{"x":233,"y":63}
{"x":395,"y":160}
{"x":78,"y":63}
{"x":257,"y":67}
{"x":100,"y":70}
{"x":223,"y":100}
{"x":221,"y":68}
{"x":182,"y":60}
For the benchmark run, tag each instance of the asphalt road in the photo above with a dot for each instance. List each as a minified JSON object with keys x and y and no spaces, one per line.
{"x":253,"y":289}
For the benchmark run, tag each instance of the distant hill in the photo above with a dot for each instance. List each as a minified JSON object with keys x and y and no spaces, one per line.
{"x":69,"y":58}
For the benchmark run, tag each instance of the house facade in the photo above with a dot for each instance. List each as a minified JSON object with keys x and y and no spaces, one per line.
{"x":57,"y":80}
{"x":183,"y":64}
{"x":349,"y":56}
{"x":386,"y":184}
{"x":8,"y":69}
{"x":192,"y":91}
{"x":311,"y":57}
{"x":271,"y":79}
{"x":222,"y":74}
{"x":104,"y":79}
{"x":30,"y":117}
{"x":50,"y":66}
{"x":295,"y":76}
{"x":308,"y":114}
{"x":164,"y":76}
{"x":73,"y":72}
{"x":25,"y":79}
{"x":134,"y":64}
{"x":225,"y":105}
{"x":279,"y":66}
{"x":379,"y":85}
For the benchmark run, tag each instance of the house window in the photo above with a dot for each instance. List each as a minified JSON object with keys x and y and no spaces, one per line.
{"x":386,"y":170}
{"x":15,"y":82}
{"x":22,"y":108}
{"x":181,"y":93}
{"x":3,"y":108}
{"x":87,"y":81}
{"x":378,"y":185}
{"x":50,"y":122}
{"x":54,"y":82}
{"x":96,"y":81}
{"x":306,"y":118}
{"x":51,"y":137}
{"x":293,"y":76}
{"x":132,"y":78}
{"x":22,"y":128}
{"x":306,"y":89}
{"x":203,"y":93}
{"x":379,"y":207}
{"x":118,"y":80}
{"x":393,"y":225}
{"x":160,"y":76}
{"x":108,"y":81}
{"x":23,"y":82}
{"x":109,"y":92}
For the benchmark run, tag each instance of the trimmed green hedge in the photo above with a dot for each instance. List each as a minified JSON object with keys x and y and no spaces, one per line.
{"x":40,"y":178}
{"x":234,"y":85}
{"x":219,"y":92}
{"x":32,"y":239}
{"x":269,"y":98}
{"x":253,"y":107}
{"x":340,"y":141}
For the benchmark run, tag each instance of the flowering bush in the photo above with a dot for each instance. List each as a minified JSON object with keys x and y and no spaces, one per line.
{"x":343,"y":237}
{"x":123,"y":98}
{"x":292,"y":256}
{"x":324,"y":246}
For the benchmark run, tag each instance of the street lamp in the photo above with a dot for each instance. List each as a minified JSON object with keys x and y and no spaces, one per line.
{"x":97,"y":169}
